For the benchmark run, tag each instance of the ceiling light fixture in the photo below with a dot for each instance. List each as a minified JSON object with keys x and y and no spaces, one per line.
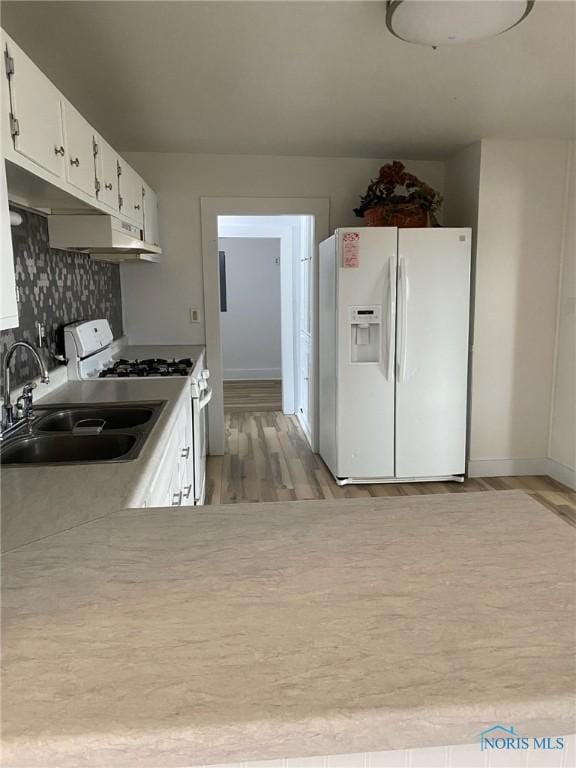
{"x":448,"y":22}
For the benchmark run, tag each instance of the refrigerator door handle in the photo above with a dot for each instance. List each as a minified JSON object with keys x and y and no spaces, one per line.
{"x":391,"y":316}
{"x":403,"y":301}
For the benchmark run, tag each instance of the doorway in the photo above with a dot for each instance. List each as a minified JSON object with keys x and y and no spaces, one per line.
{"x":250,"y":321}
{"x":299,"y":225}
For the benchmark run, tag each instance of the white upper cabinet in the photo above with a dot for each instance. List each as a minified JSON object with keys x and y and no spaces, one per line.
{"x":35,"y":120}
{"x":130,"y":185}
{"x":79,"y":140}
{"x":151,"y":229}
{"x":46,"y":139}
{"x":107,"y":174}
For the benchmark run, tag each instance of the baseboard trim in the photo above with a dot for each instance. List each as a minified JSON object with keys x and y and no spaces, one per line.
{"x":242,"y":374}
{"x":561,"y":473}
{"x":507,"y":467}
{"x":511,"y":467}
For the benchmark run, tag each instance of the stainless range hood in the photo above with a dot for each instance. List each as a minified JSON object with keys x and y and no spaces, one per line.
{"x":105,"y":238}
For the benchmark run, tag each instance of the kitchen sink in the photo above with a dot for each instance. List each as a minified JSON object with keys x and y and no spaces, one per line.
{"x":82,"y":434}
{"x":113,"y":417}
{"x":68,"y":449}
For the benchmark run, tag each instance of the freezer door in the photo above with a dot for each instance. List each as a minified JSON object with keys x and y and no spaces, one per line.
{"x":432,"y":351}
{"x":366,"y":294}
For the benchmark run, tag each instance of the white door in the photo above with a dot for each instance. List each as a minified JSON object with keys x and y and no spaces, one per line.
{"x":107,"y":174}
{"x":79,"y":141}
{"x":365,"y":376}
{"x":303,"y":387}
{"x":432,"y":351}
{"x":150,"y":202}
{"x":304,"y":384}
{"x":35,"y":107}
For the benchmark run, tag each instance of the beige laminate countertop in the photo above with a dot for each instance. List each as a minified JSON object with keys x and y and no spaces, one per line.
{"x":174,"y":638}
{"x":38,"y":501}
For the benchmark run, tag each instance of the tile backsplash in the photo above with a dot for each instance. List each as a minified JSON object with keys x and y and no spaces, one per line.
{"x":56,"y":287}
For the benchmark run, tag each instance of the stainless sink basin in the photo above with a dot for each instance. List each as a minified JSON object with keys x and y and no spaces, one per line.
{"x":82,"y":434}
{"x":66,"y":449}
{"x":111,"y":417}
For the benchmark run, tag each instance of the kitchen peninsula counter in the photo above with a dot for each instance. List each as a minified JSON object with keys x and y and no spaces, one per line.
{"x":175,"y":638}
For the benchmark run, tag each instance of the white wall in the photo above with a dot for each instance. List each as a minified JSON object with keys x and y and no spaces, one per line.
{"x":157,"y":297}
{"x":521,"y":204}
{"x":462,"y":188}
{"x":562,"y":449}
{"x":251,"y":337}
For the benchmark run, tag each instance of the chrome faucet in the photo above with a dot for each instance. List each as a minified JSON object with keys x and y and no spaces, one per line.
{"x":7,"y":408}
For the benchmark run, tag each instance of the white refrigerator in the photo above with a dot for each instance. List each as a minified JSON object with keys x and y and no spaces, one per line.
{"x":394,"y":307}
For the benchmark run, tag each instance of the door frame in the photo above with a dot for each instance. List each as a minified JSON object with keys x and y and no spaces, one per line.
{"x":210,"y":209}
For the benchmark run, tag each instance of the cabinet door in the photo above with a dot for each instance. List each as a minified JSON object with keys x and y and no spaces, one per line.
{"x":107,"y":174}
{"x":150,"y":200}
{"x":79,"y":141}
{"x":35,"y":104}
{"x":130,"y":194}
{"x":187,"y":459}
{"x":8,"y":303}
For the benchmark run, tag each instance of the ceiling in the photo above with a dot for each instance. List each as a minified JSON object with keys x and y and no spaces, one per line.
{"x":297,"y":78}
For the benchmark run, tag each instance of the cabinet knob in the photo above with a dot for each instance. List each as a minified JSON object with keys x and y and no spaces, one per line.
{"x":59,"y":151}
{"x":75,"y":161}
{"x":188,"y":491}
{"x":108,"y":186}
{"x":185,"y":453}
{"x":136,"y":207}
{"x":177,"y":499}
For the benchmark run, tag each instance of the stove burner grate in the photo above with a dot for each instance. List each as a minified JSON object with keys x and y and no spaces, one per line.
{"x":154,"y":366}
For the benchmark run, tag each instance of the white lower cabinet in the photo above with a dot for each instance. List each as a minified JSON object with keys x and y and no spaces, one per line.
{"x":173,"y":485}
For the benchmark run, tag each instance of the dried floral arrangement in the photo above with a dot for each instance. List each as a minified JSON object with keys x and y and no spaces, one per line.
{"x":384,"y":191}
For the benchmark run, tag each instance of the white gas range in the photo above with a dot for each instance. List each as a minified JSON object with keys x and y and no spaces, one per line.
{"x":91,"y":355}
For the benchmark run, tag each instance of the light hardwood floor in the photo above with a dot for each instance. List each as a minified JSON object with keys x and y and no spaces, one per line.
{"x":246,"y":396}
{"x":268,"y":459}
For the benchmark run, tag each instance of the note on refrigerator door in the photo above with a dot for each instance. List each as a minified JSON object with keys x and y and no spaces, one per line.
{"x":351,"y":249}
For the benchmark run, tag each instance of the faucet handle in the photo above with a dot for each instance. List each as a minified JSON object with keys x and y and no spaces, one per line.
{"x":25,"y":404}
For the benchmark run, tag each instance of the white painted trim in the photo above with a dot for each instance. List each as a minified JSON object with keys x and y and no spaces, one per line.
{"x":246,"y":374}
{"x":305,"y":428}
{"x":452,"y":756}
{"x":511,"y":467}
{"x":562,"y":473}
{"x":565,"y":218}
{"x":507,"y":467}
{"x":211,"y":208}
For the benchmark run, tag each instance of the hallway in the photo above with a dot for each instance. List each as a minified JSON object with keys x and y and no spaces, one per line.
{"x":268,"y":459}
